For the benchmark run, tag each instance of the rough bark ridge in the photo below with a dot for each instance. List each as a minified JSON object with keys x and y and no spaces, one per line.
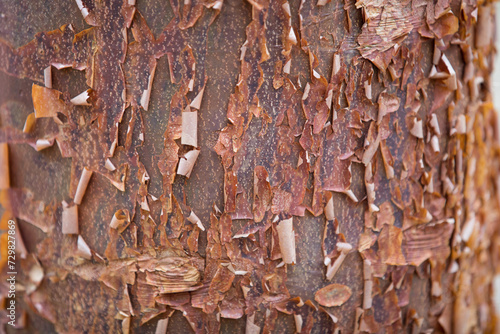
{"x":318,"y":166}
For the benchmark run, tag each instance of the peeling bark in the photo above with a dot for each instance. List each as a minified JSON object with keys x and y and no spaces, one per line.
{"x":312,"y":166}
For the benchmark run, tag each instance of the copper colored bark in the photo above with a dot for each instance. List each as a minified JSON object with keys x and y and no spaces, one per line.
{"x":259,"y":166}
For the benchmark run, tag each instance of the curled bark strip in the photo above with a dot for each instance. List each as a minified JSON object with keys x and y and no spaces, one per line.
{"x":286,"y":236}
{"x":82,"y":185}
{"x":313,"y":107}
{"x":69,"y":218}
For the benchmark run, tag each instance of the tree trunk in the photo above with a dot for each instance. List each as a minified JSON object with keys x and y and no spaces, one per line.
{"x":260,"y":166}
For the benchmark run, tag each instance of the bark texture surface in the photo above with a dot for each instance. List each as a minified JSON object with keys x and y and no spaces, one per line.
{"x":264,"y":166}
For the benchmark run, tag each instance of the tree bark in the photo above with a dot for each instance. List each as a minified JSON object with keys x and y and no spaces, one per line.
{"x":261,"y":166}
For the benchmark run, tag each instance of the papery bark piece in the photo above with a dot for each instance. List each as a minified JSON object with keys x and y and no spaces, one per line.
{"x":186,"y":163}
{"x":389,"y":241}
{"x":161,"y":326}
{"x":47,"y":102}
{"x":333,"y":295}
{"x":81,"y":99}
{"x":42,"y":144}
{"x":387,"y":103}
{"x":196,"y":103}
{"x":287,"y":240}
{"x":344,"y":249}
{"x":193,"y":218}
{"x":120,"y":220}
{"x":189,"y":128}
{"x":69,"y":218}
{"x":29,"y":123}
{"x":83,"y":250}
{"x":82,"y":185}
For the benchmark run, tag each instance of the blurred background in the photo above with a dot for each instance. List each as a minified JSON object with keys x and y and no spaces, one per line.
{"x":496,"y":73}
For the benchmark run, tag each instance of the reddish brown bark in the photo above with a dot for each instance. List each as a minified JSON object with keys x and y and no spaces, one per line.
{"x":265,"y":166}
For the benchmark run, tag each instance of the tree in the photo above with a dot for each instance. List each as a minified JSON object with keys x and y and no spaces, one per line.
{"x":267,"y":166}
